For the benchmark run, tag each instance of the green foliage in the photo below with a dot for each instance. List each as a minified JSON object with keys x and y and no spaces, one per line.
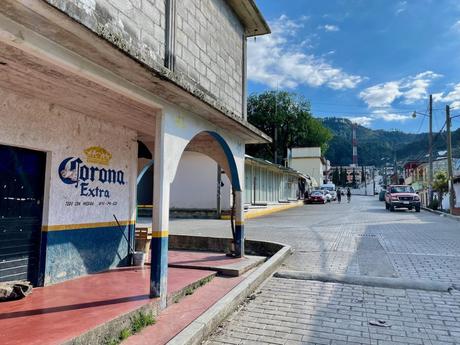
{"x":125,"y":334}
{"x":441,"y":185}
{"x":434,"y":205}
{"x":343,"y":177}
{"x":376,"y":147}
{"x":140,"y":321}
{"x":287,"y":118}
{"x":440,"y":182}
{"x":336,"y":177}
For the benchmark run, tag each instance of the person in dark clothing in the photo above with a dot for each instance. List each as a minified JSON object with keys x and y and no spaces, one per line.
{"x":339,"y":196}
{"x":348,"y":194}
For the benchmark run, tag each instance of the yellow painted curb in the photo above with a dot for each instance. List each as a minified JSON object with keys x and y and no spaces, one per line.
{"x":255,"y":213}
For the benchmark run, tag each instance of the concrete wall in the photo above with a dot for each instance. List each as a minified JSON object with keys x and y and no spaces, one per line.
{"x":298,"y":152}
{"x":79,"y":233}
{"x":137,"y":26}
{"x":268,"y":184}
{"x":209,"y":48}
{"x":195,"y":184}
{"x":209,"y":39}
{"x":312,"y":167}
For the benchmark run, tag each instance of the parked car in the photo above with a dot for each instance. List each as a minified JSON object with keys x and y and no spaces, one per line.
{"x":328,"y":195}
{"x":330,"y":187}
{"x":317,"y":197}
{"x":401,"y":196}
{"x":333,"y":195}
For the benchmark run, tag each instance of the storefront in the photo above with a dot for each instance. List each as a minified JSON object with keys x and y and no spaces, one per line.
{"x":78,"y":94}
{"x":64,"y":180}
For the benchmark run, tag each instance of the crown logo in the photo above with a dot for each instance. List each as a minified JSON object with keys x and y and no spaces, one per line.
{"x":98,"y":155}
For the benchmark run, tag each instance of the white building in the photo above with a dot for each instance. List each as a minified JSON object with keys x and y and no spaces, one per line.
{"x":84,"y":85}
{"x":309,"y":161}
{"x":198,"y":191}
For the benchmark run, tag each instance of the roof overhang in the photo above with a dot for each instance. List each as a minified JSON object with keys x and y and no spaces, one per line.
{"x":41,"y":30}
{"x":250,"y":16}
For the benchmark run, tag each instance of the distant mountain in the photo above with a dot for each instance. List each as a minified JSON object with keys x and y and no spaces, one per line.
{"x":375,"y":147}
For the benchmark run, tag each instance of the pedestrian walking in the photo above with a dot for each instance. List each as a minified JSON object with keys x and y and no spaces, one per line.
{"x":348,"y":195}
{"x":339,"y":196}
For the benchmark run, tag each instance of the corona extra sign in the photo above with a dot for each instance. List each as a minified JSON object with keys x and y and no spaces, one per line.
{"x":91,"y":180}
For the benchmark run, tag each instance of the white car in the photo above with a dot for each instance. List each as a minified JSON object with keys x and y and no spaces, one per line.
{"x":328,"y":195}
{"x":333,"y":194}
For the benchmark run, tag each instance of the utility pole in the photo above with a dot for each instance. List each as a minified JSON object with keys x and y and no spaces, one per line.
{"x":365,"y":181}
{"x":373,"y":180}
{"x":450,"y":172}
{"x":219,"y":186}
{"x":395,"y":166}
{"x":430,"y":153}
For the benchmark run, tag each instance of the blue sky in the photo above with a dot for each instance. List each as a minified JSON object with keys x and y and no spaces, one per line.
{"x":374,"y":61}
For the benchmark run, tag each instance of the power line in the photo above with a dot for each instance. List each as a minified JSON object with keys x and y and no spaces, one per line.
{"x":420,"y":156}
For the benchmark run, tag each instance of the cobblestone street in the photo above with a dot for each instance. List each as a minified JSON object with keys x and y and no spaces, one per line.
{"x":360,"y":238}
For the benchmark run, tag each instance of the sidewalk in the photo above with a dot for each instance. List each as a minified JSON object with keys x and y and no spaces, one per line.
{"x":176,"y":317}
{"x":95,"y":306}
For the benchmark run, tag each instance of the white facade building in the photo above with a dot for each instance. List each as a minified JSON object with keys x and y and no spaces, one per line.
{"x":309,"y":161}
{"x":83,"y":86}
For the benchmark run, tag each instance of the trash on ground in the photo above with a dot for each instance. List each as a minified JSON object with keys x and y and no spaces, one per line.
{"x":14,"y":290}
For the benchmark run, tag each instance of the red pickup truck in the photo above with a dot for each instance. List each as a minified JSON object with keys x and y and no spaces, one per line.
{"x":401,"y":196}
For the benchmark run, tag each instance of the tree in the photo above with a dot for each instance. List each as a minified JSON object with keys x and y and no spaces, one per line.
{"x":287,"y":118}
{"x":336,"y":177}
{"x":440,"y":185}
{"x":343,"y":177}
{"x":363,"y":175}
{"x":354,"y":177}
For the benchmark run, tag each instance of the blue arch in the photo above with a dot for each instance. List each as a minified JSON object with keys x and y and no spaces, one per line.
{"x":230,"y":159}
{"x":144,"y":170}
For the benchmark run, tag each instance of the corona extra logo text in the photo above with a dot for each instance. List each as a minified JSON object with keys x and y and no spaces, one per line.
{"x":91,"y":180}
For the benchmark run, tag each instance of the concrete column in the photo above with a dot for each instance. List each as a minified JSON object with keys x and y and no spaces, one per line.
{"x":160,"y":217}
{"x":239,"y":224}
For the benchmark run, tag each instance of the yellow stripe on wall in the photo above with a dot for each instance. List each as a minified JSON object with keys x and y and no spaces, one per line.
{"x":159,"y":234}
{"x":46,"y":228}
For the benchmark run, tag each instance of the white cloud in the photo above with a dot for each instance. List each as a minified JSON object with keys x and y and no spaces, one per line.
{"x":385,"y":115}
{"x":278,"y":60}
{"x":380,"y":95}
{"x":410,"y":90}
{"x":456,"y":26}
{"x":329,"y":28}
{"x":389,"y":116}
{"x":361,"y":120}
{"x":452,"y":97}
{"x":401,"y":7}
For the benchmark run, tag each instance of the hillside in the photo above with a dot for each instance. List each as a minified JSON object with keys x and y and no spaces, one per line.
{"x":376,"y":146}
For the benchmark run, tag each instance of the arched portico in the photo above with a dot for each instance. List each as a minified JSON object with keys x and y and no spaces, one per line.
{"x":170,"y":143}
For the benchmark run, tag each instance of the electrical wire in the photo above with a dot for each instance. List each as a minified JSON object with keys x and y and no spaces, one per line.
{"x":420,"y":156}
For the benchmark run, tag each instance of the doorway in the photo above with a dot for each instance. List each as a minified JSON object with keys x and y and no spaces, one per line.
{"x":22,"y":177}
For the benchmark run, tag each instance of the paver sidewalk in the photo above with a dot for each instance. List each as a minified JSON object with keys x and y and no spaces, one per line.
{"x":360,"y":238}
{"x":294,"y":312}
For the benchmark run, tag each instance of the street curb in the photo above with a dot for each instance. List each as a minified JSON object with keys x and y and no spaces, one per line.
{"x":199,"y":329}
{"x":442,"y":214}
{"x":256,"y":213}
{"x":392,"y":283}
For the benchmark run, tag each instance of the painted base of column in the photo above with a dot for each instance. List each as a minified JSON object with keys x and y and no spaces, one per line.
{"x":159,"y":266}
{"x":239,"y":240}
